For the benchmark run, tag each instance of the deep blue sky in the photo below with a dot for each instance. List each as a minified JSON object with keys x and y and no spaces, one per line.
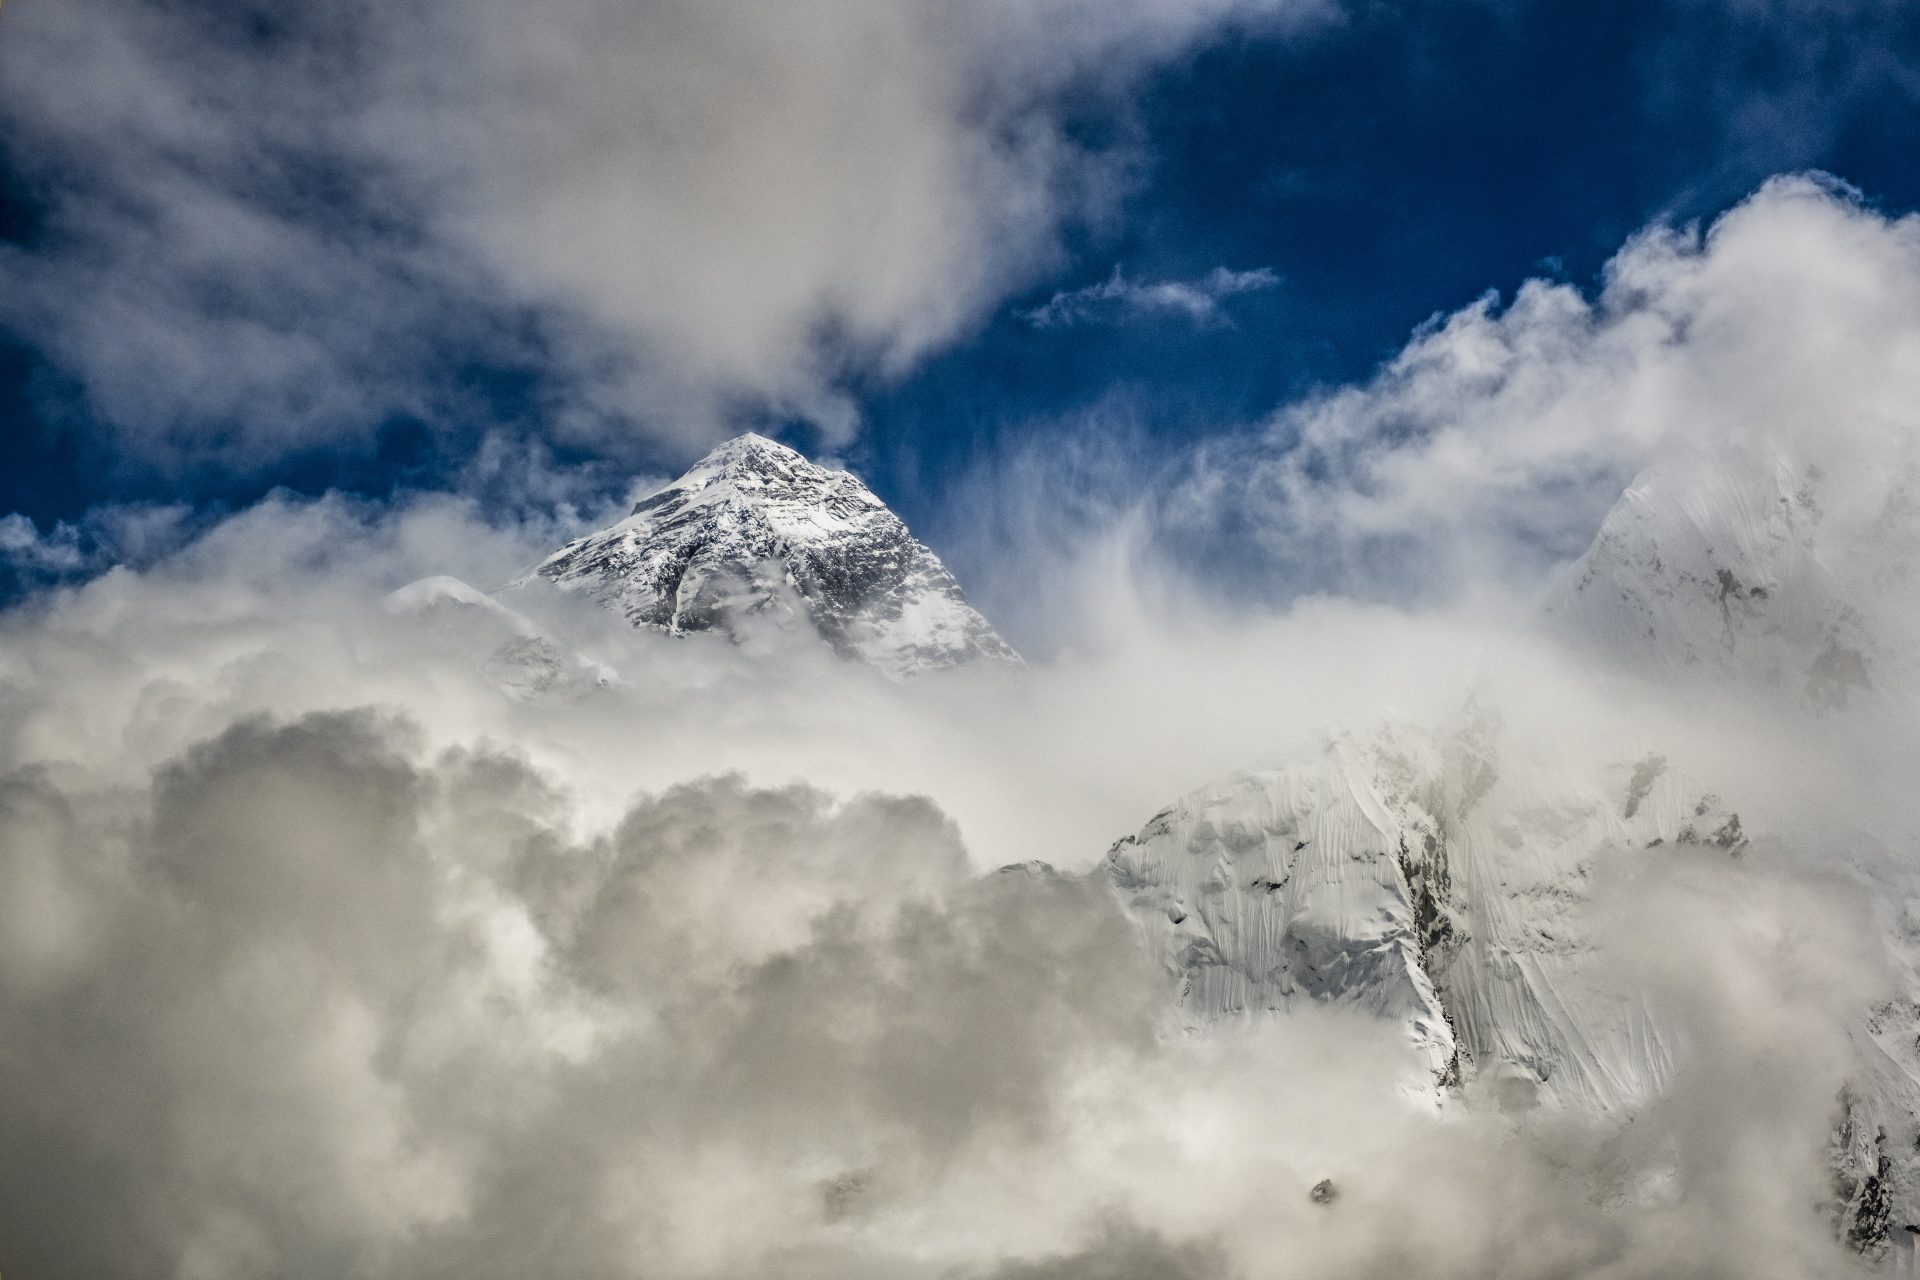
{"x":1386,"y":168}
{"x":1403,"y":165}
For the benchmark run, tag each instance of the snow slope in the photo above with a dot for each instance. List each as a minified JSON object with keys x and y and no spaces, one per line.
{"x":1418,"y":876}
{"x":1764,"y":572}
{"x":754,"y":535}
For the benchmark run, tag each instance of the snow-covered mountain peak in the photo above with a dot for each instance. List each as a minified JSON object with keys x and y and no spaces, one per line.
{"x":748,"y":464}
{"x":750,"y":444}
{"x":750,"y":473}
{"x":755,"y":537}
{"x":1764,"y":572}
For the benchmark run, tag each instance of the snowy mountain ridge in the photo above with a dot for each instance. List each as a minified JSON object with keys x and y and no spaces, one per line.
{"x":1765,"y":572}
{"x":755,"y":534}
{"x":1420,"y":877}
{"x":504,"y":646}
{"x":1436,"y":877}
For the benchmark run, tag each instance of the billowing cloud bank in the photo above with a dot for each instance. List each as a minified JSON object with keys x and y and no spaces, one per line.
{"x":1495,"y":441}
{"x":268,"y":227}
{"x":322,"y":955}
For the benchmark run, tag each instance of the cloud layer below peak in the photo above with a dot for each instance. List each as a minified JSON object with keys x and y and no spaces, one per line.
{"x":323,"y":954}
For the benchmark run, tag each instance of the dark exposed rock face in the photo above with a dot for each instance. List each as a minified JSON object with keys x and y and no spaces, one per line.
{"x":754,"y":534}
{"x":1863,"y":1178}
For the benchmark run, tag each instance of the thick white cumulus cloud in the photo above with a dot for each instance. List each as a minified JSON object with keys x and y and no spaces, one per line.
{"x":1492,"y":445}
{"x":269,"y":227}
{"x":323,"y":955}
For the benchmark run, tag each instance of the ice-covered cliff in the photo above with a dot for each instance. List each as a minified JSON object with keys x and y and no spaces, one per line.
{"x":1420,"y":876}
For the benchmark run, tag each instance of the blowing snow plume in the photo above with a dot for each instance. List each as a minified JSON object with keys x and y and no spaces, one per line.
{"x":1354,"y":938}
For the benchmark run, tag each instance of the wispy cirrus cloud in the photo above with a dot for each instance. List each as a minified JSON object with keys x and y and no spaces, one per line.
{"x":1117,"y":298}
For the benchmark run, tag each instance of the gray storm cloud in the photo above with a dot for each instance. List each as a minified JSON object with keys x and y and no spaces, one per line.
{"x":322,"y":955}
{"x":357,"y":1013}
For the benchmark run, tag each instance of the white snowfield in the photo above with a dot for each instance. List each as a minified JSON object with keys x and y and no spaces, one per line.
{"x":754,"y":534}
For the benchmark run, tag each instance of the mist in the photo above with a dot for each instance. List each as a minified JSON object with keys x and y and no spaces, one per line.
{"x":322,"y":953}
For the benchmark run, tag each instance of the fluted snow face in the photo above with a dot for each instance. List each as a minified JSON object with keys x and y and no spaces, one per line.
{"x":1418,"y":877}
{"x":755,"y":534}
{"x":1286,"y":885}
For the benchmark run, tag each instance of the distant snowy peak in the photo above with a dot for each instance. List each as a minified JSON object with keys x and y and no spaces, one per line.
{"x":755,"y":536}
{"x":1763,"y":572}
{"x":506,"y":647}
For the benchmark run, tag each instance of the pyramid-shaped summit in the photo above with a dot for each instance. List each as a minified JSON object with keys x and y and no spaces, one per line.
{"x":755,"y":531}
